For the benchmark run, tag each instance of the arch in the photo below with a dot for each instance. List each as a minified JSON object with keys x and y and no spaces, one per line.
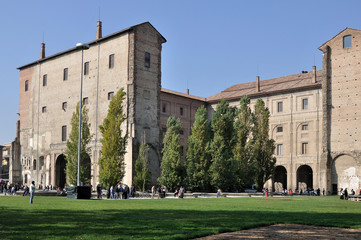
{"x":304,"y":178}
{"x":41,"y":161}
{"x":345,"y":173}
{"x":60,"y":176}
{"x":280,"y":179}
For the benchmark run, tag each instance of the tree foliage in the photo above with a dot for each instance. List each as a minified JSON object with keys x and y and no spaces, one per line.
{"x":263,"y":149}
{"x":114,"y":141}
{"x":223,"y":168}
{"x":172,"y":167}
{"x":243,"y":144}
{"x":198,"y":153}
{"x":71,"y":151}
{"x":142,"y":177}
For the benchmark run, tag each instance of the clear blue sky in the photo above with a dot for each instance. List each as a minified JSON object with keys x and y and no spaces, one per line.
{"x":211,"y":45}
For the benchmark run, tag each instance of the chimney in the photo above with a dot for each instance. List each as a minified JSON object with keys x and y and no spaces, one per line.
{"x":258,"y":89}
{"x":187,"y":91}
{"x":99,"y":30}
{"x":42,"y":51}
{"x":314,"y":74}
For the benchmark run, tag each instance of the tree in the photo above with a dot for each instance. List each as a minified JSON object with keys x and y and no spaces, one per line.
{"x":172,"y":167}
{"x":198,"y":153}
{"x":142,"y":177}
{"x":71,"y":151}
{"x":263,"y":149}
{"x":243,"y":144}
{"x":111,"y":162}
{"x":223,"y":167}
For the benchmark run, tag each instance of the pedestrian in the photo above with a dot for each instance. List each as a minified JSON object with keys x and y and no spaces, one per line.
{"x":346,"y":194}
{"x":153,"y":191}
{"x":181,"y":192}
{"x":341,"y":194}
{"x":32,"y":191}
{"x":218,"y":193}
{"x":99,"y":191}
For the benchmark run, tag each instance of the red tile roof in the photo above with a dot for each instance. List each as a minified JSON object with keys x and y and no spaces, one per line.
{"x":284,"y":84}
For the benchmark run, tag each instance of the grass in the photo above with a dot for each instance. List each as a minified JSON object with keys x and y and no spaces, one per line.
{"x":62,"y":218}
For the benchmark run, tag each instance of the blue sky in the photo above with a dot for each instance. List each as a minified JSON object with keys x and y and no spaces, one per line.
{"x":211,"y":45}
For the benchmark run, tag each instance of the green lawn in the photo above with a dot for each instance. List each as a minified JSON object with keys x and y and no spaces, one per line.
{"x":62,"y":218}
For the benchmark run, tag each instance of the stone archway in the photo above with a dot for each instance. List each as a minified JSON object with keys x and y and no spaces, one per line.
{"x":304,"y":178}
{"x":280,"y":179}
{"x":345,"y":173}
{"x":60,"y":176}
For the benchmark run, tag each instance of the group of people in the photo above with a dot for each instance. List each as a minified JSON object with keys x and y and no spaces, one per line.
{"x":116,"y":192}
{"x":179,"y":192}
{"x":344,"y":193}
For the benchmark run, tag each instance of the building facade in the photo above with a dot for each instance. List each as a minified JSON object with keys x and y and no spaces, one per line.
{"x":50,"y":90}
{"x":314,"y":120}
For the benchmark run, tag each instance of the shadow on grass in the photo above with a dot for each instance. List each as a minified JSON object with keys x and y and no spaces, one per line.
{"x":150,"y":224}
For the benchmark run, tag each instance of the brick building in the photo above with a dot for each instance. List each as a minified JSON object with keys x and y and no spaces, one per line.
{"x":314,"y":120}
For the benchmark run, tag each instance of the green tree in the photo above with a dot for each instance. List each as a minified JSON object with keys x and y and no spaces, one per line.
{"x":111,"y":162}
{"x":198,"y":153}
{"x":142,"y":177}
{"x":243,"y":144}
{"x":263,"y":149}
{"x":172,"y":167}
{"x":223,"y":167}
{"x":71,"y":151}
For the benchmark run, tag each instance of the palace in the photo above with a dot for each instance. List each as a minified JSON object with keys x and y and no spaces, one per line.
{"x":315,"y":115}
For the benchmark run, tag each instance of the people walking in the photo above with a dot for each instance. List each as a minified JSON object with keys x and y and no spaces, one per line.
{"x":32,"y":191}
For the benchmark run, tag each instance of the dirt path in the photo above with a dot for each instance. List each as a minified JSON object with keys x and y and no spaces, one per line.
{"x":290,"y":231}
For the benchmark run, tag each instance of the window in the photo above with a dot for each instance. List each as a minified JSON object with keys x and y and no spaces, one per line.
{"x":279,"y":149}
{"x":63,"y":133}
{"x":347,"y":41}
{"x":45,"y":79}
{"x":86,"y":68}
{"x":34,"y":164}
{"x":280,"y":129}
{"x":147,"y":60}
{"x":304,"y":148}
{"x":304,"y":103}
{"x":43,"y":110}
{"x":164,"y":107}
{"x":64,"y":106}
{"x":65,"y":74}
{"x":26,"y":178}
{"x":304,"y":127}
{"x":110,"y":95}
{"x":26,"y":85}
{"x":85,"y":101}
{"x":280,"y":107}
{"x":111,"y":61}
{"x":181,"y":111}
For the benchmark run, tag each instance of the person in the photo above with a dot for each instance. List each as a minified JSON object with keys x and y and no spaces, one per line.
{"x":99,"y":191}
{"x":218,"y":192}
{"x":352,"y":192}
{"x":181,"y":192}
{"x":32,"y":191}
{"x":111,"y":192}
{"x":346,"y":194}
{"x":318,"y":191}
{"x":341,"y":193}
{"x":175,"y":194}
{"x":159,"y":190}
{"x":26,"y":190}
{"x":153,"y":191}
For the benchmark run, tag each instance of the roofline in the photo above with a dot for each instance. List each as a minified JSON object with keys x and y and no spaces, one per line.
{"x":320,"y":47}
{"x":201,"y":99}
{"x":260,"y":94}
{"x":129,"y":29}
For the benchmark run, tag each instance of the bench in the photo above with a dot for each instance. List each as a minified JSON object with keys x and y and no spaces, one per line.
{"x":354,"y":198}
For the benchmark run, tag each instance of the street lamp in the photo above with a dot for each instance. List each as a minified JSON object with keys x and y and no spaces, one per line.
{"x":82,"y":46}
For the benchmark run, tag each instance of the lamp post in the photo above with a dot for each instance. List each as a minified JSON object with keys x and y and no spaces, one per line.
{"x":82,"y":46}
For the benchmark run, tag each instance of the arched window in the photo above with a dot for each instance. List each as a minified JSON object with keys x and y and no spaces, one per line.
{"x":34,"y":164}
